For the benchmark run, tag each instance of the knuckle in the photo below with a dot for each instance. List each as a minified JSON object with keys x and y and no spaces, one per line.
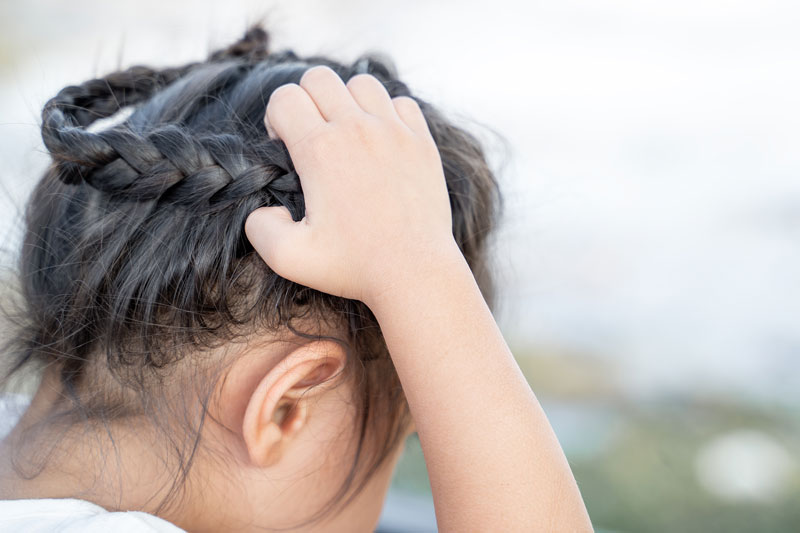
{"x":326,"y":144}
{"x":283,"y":94}
{"x":405,"y":100}
{"x":316,"y":75}
{"x":361,"y":126}
{"x":363,"y":81}
{"x":407,"y":104}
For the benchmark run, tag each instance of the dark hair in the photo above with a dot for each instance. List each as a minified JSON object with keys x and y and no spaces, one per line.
{"x":135,"y":257}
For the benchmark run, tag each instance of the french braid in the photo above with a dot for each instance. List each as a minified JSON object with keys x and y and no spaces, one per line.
{"x":206,"y":173}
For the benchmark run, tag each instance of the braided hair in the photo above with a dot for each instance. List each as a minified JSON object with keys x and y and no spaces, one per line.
{"x":135,"y":262}
{"x":201,"y":170}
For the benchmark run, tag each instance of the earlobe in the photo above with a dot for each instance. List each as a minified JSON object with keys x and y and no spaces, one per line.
{"x":278,"y":408}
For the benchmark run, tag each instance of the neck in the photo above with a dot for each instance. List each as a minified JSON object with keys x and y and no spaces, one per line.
{"x":125,"y":466}
{"x":118,"y":465}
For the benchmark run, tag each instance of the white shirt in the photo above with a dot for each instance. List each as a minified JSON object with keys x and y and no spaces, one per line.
{"x":65,"y":515}
{"x":75,"y":516}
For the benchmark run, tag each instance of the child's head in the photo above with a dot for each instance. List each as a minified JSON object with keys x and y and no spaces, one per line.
{"x":162,"y":330}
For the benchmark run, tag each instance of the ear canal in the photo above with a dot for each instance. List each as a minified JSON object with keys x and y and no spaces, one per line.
{"x":281,"y":413}
{"x":290,"y":417}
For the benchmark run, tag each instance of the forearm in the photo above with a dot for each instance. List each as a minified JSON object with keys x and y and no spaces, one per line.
{"x":493,"y":459}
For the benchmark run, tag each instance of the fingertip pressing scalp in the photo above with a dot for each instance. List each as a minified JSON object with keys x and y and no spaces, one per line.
{"x":135,"y":263}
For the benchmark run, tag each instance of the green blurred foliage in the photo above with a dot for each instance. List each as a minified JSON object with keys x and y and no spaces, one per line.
{"x":635,"y":461}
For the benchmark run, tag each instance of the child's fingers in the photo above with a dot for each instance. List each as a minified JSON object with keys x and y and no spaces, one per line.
{"x":328,"y":92}
{"x":292,"y":114}
{"x":411,"y":114}
{"x":280,"y":241}
{"x":371,"y":95}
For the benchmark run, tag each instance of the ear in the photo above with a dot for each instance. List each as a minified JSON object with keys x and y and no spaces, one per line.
{"x":278,"y":409}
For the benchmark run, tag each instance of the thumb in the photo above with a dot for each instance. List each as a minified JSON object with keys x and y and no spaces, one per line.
{"x":278,"y":239}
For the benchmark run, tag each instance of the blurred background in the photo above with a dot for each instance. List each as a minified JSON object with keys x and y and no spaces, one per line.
{"x":648,"y":262}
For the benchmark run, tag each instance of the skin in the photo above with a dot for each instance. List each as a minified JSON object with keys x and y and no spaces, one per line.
{"x":378,"y":229}
{"x":279,"y":438}
{"x":278,"y":444}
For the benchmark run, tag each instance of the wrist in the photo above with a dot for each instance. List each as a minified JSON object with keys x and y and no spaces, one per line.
{"x":408,"y":279}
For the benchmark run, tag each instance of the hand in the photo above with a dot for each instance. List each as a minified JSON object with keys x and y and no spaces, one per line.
{"x":377,"y":208}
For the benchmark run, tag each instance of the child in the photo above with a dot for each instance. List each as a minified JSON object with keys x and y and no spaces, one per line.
{"x":245,"y":295}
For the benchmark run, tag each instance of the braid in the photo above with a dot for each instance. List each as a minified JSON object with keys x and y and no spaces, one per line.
{"x":66,"y":117}
{"x":77,"y":106}
{"x":80,"y":105}
{"x":206,"y":173}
